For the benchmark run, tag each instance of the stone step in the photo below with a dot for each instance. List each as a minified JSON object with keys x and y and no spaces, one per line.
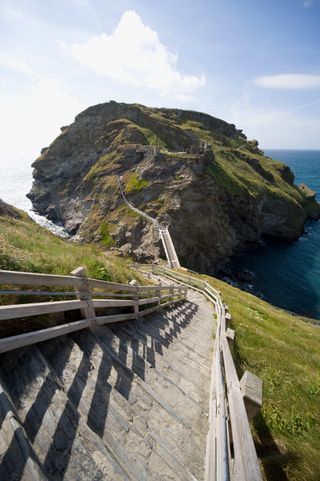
{"x":153,"y":347}
{"x":181,"y":379}
{"x":127,"y":399}
{"x":172,"y":395}
{"x":171,"y":327}
{"x":88,"y":387}
{"x":120,"y":343}
{"x":17,"y":457}
{"x":121,"y":402}
{"x":168,"y":341}
{"x":154,"y":413}
{"x":66,"y":448}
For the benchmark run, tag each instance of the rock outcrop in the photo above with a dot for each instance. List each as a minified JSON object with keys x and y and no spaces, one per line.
{"x":10,"y":211}
{"x":217,"y":191}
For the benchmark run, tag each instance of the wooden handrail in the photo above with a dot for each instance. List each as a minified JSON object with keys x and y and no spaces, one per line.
{"x":84,"y":287}
{"x":226,"y":401}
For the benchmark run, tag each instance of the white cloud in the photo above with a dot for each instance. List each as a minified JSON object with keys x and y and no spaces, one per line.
{"x":292,"y":81}
{"x":307,"y":3}
{"x":134,"y":55}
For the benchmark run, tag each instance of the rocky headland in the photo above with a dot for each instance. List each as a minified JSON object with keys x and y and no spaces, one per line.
{"x":217,"y":192}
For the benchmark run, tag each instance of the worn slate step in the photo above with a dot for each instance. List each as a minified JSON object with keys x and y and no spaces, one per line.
{"x":180,"y":360}
{"x":156,"y":414}
{"x":124,"y":402}
{"x":172,"y":405}
{"x":197,"y":330}
{"x":163,"y":346}
{"x":17,"y":457}
{"x":135,"y":440}
{"x":163,"y":368}
{"x":184,"y":405}
{"x":189,"y":339}
{"x":92,"y":398}
{"x":66,"y":448}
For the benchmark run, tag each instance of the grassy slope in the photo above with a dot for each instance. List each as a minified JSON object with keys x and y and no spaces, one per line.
{"x":25,"y":246}
{"x":283,"y":350}
{"x":233,"y":171}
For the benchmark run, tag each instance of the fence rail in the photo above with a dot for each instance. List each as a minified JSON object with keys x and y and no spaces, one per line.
{"x":230,"y":453}
{"x":140,"y":300}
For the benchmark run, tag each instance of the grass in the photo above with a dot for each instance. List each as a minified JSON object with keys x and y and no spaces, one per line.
{"x":25,"y":246}
{"x":283,"y":350}
{"x":106,"y":238}
{"x":133,"y":183}
{"x":152,"y":138}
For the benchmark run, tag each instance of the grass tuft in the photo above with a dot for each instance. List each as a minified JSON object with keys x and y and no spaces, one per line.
{"x":135,"y":184}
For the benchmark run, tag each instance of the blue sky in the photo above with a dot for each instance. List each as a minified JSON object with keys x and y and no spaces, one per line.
{"x":255,"y":63}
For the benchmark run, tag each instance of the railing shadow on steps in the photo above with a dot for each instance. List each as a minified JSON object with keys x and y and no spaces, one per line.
{"x":90,"y":295}
{"x":230,"y":451}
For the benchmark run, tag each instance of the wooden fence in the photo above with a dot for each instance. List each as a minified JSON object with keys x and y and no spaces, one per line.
{"x":89,"y":295}
{"x":230,"y":453}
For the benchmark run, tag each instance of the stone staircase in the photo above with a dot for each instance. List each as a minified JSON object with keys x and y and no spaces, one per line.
{"x":168,"y":246}
{"x":158,"y":231}
{"x":127,"y":401}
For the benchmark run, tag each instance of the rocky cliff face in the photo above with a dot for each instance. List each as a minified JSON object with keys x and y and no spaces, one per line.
{"x":217,"y":191}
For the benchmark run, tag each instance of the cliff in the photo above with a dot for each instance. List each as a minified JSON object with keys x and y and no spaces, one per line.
{"x":215,"y":189}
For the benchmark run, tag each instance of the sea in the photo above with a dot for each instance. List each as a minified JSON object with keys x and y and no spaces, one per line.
{"x":15,"y":183}
{"x":287,"y":274}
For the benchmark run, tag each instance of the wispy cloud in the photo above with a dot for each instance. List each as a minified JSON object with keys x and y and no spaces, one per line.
{"x":307,"y":3}
{"x":15,"y":64}
{"x":134,"y":55}
{"x":291,"y":81}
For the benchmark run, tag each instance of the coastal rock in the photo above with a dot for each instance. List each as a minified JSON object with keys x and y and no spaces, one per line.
{"x":7,"y":210}
{"x":216,"y":191}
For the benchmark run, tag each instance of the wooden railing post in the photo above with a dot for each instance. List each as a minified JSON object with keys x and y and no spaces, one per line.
{"x":172,"y":292}
{"x":84,"y":293}
{"x":158,"y":290}
{"x":136,"y":305}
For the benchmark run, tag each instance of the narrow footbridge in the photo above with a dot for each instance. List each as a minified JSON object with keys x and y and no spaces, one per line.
{"x":137,"y":383}
{"x":160,"y":231}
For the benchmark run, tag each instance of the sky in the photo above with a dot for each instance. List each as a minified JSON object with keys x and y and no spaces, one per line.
{"x":254,"y":63}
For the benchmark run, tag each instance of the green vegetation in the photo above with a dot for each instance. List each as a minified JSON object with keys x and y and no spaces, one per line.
{"x":283,"y":350}
{"x":244,"y":171}
{"x":106,"y":238}
{"x":102,"y":166}
{"x":152,"y":138}
{"x":227,"y":179}
{"x":133,"y":183}
{"x":25,"y":246}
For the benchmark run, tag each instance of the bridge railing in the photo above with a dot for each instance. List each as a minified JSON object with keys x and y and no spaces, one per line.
{"x":88,"y":295}
{"x":230,"y":453}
